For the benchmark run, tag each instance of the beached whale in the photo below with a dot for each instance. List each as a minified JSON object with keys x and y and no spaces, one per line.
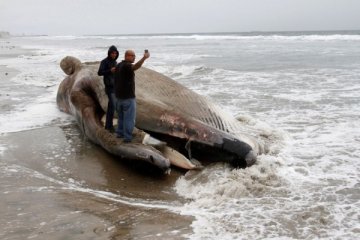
{"x":190,"y":124}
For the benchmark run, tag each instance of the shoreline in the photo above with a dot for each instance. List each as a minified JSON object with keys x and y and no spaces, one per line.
{"x":55,"y":184}
{"x":9,"y":51}
{"x":13,"y":90}
{"x":6,"y":74}
{"x":60,"y":180}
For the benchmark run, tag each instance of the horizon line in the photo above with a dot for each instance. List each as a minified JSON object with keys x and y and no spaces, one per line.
{"x":187,"y":33}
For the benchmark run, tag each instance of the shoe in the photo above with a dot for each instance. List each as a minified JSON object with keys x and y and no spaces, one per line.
{"x":112,"y":129}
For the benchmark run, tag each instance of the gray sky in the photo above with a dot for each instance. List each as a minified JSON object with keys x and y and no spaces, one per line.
{"x":77,"y":17}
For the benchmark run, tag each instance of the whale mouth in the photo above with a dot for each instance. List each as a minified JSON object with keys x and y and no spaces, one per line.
{"x":233,"y":151}
{"x":243,"y":162}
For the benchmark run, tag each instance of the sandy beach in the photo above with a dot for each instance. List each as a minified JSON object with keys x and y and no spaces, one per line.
{"x":47,"y":204}
{"x":58,"y":185}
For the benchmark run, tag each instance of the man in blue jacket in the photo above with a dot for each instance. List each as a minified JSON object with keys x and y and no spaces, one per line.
{"x":107,"y":69}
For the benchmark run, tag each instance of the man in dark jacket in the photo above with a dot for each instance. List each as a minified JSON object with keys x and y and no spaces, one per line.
{"x":107,"y":69}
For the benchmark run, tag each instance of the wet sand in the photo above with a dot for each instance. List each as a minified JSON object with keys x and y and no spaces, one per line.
{"x":55,"y":184}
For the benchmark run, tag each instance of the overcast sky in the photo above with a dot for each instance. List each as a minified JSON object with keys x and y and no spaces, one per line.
{"x":77,"y":17}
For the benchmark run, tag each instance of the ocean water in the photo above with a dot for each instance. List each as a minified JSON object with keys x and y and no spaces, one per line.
{"x":300,"y":88}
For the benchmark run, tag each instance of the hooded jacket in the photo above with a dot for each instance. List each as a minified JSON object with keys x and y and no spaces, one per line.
{"x":105,"y":69}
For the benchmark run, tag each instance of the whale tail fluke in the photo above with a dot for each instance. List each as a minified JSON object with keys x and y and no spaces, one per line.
{"x":70,"y":65}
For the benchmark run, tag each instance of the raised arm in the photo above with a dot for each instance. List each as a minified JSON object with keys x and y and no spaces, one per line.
{"x":138,"y":65}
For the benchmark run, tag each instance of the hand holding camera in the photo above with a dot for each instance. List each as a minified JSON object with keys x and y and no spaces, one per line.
{"x":146,"y":53}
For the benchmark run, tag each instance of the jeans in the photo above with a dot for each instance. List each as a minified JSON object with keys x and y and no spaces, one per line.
{"x":110,"y":109}
{"x":126,"y":109}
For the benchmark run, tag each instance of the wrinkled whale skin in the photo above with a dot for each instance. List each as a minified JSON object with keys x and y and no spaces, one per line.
{"x":171,"y":109}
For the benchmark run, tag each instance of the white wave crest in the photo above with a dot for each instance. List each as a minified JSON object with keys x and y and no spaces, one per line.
{"x":216,"y":36}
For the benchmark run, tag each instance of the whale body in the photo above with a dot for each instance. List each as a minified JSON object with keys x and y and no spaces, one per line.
{"x":189,"y":125}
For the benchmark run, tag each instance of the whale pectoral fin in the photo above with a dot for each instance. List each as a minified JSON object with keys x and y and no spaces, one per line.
{"x":179,"y":160}
{"x":176,"y":158}
{"x":151,"y":141}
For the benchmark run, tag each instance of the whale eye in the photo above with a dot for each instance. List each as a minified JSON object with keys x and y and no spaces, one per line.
{"x":151,"y":159}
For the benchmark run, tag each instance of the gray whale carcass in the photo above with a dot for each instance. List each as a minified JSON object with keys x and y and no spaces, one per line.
{"x":185,"y":120}
{"x":81,"y":94}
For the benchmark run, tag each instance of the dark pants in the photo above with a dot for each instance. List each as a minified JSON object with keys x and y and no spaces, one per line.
{"x":110,"y":109}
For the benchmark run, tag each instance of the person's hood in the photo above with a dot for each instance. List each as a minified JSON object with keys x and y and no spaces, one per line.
{"x":113,"y":49}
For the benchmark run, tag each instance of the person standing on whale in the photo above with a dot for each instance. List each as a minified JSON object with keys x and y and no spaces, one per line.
{"x":107,"y":70}
{"x":125,"y":93}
